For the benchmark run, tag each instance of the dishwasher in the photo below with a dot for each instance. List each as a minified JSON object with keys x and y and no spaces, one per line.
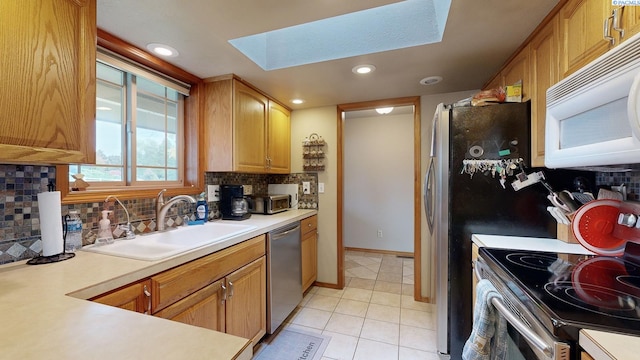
{"x":284,"y":274}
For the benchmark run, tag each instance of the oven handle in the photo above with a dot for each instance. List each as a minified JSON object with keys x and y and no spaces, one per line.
{"x":529,"y":335}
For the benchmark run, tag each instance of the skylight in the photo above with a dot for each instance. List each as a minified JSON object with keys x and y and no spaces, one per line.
{"x":390,"y":27}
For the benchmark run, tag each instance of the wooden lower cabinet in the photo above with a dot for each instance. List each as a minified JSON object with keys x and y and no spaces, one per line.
{"x":204,"y":308}
{"x":235,"y":304}
{"x":309,"y":250}
{"x":225,"y":291}
{"x":246,"y":304}
{"x":134,"y":297}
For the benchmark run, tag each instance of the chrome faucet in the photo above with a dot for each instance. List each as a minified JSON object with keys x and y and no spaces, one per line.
{"x":162,"y":207}
{"x":129,"y":234}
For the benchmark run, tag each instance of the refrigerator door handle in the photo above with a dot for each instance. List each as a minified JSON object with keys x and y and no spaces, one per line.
{"x":428,"y":196}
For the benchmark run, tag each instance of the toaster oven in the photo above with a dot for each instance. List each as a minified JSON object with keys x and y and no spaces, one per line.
{"x":268,"y":204}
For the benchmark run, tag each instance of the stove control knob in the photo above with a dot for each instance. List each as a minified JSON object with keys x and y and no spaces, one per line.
{"x":628,"y":220}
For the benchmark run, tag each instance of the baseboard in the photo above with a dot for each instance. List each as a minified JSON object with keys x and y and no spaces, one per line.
{"x":385,"y":252}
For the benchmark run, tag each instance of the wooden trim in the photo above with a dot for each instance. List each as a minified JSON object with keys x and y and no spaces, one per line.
{"x":547,"y":19}
{"x":327,"y":285}
{"x":245,"y":82}
{"x":415,"y":101}
{"x":194,"y":112}
{"x":384,"y":252}
{"x":340,"y":194}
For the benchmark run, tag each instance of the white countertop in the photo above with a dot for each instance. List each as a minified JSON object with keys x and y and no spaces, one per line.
{"x":528,"y":243}
{"x":600,"y":345}
{"x":44,"y":314}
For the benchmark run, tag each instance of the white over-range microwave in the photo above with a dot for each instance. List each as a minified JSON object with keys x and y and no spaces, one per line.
{"x":593,"y":115}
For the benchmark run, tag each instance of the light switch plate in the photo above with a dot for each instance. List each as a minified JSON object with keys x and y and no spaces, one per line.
{"x":321,"y":188}
{"x":213,"y":192}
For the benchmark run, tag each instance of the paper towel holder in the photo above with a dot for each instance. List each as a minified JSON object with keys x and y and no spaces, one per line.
{"x":39,"y":259}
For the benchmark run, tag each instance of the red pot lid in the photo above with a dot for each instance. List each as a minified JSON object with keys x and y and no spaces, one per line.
{"x":593,"y":226}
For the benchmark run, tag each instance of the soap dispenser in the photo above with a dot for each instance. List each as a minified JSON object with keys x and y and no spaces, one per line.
{"x":202,"y":208}
{"x":104,"y":233}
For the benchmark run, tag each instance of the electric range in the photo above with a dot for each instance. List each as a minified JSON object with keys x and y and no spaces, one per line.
{"x":565,"y":292}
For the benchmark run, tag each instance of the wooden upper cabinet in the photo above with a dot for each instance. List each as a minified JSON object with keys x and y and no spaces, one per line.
{"x":518,"y":69}
{"x":544,"y":68}
{"x":630,"y":21}
{"x":47,"y":95}
{"x":279,"y":139}
{"x":581,"y":24}
{"x":244,"y":130}
{"x":249,"y":129}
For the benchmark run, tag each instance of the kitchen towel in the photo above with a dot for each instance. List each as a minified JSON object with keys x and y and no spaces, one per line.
{"x":488,"y":338}
{"x":50,"y":223}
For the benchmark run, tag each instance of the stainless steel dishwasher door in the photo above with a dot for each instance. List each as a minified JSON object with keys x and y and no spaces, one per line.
{"x":284,"y":274}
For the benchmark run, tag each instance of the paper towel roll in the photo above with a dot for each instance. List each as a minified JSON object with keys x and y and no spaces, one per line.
{"x":50,"y":223}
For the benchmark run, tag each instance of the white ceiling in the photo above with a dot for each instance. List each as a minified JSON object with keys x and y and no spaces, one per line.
{"x":478,"y":39}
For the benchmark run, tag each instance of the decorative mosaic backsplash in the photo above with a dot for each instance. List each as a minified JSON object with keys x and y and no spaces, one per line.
{"x":19,"y":215}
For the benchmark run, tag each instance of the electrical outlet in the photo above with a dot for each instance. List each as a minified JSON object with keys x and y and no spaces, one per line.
{"x":248,"y":189}
{"x":306,"y":187}
{"x":213,"y":192}
{"x":379,"y":233}
{"x":321,"y":188}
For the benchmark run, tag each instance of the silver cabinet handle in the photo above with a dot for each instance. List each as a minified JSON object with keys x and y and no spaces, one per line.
{"x":616,"y":21}
{"x":224,"y":293}
{"x":230,"y":289}
{"x":607,"y":30}
{"x":147,"y":294}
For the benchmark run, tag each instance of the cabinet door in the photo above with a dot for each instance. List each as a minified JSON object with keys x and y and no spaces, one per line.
{"x":246,"y":305}
{"x":47,"y":95}
{"x":204,"y":308}
{"x":581,"y":23}
{"x":544,"y":73}
{"x":135,"y":297}
{"x":309,"y":250}
{"x":518,"y":69}
{"x":279,"y":139}
{"x":630,"y":21}
{"x":249,"y":129}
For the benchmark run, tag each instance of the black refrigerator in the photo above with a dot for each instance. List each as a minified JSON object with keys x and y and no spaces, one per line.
{"x":460,"y":200}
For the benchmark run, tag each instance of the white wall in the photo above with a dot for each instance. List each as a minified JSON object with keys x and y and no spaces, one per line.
{"x":428,"y":106}
{"x":378,"y":182}
{"x":323,"y":122}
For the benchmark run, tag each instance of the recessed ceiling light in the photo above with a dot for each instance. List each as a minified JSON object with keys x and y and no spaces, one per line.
{"x":384,"y":110}
{"x":297,"y":101}
{"x":162,"y":50}
{"x":363,"y":69}
{"x":431,"y":80}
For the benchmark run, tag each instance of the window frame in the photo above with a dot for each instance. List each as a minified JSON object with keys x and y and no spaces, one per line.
{"x":193,"y":175}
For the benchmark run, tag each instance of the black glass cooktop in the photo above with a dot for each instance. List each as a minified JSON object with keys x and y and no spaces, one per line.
{"x":573,"y":291}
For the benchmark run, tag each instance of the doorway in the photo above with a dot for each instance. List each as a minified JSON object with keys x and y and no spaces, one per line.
{"x":409,"y":209}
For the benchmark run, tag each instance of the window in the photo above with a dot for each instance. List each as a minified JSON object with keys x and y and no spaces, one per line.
{"x":139,"y":128}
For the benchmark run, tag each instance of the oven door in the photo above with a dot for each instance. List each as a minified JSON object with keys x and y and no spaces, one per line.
{"x":527,"y":338}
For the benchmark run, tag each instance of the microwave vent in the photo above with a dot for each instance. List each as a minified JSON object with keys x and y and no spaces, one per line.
{"x":614,"y":61}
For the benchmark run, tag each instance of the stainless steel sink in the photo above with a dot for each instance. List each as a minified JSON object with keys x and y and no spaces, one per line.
{"x":164,"y":244}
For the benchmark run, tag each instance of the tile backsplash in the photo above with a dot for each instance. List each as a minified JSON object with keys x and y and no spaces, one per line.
{"x":20,"y":227}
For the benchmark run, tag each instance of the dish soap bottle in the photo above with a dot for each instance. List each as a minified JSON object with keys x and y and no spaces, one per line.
{"x":104,"y":234}
{"x":202,"y":208}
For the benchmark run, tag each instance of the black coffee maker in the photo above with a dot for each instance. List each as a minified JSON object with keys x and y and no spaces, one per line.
{"x":233,"y":204}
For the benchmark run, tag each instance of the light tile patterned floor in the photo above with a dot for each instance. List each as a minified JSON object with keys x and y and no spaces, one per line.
{"x":374,"y":317}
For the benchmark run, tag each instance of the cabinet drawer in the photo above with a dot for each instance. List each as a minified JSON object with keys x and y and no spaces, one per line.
{"x":309,"y":224}
{"x":177,"y":283}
